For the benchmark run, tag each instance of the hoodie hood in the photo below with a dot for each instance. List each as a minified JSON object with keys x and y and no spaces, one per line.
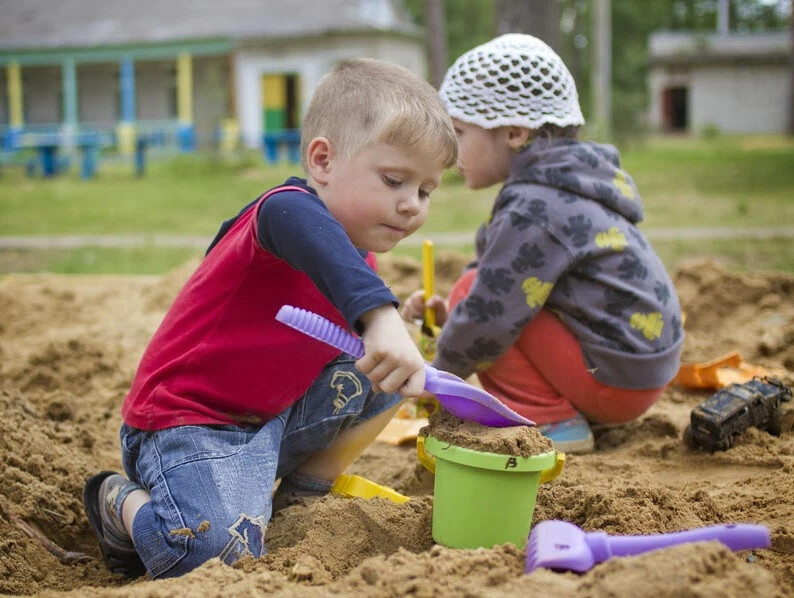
{"x":583,"y":168}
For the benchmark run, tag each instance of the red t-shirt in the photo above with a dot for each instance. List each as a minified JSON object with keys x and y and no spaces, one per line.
{"x":220,"y":356}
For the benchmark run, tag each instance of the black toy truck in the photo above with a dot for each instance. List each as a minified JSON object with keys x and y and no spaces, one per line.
{"x":733,"y":409}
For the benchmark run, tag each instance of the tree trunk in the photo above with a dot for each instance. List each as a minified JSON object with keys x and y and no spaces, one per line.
{"x":540,"y":18}
{"x":436,"y":41}
{"x":791,"y":79}
{"x":601,"y":71}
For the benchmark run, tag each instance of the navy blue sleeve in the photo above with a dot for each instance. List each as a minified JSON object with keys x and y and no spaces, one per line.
{"x":298,"y":228}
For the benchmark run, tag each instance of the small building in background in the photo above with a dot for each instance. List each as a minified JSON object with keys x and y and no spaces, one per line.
{"x":195,"y":72}
{"x":727,"y":82}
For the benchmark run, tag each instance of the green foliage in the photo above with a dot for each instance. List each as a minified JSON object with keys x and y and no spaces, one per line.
{"x":469,"y":23}
{"x":726,"y":182}
{"x":472,"y":22}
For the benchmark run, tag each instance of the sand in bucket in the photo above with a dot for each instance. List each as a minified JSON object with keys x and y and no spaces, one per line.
{"x":486,"y":480}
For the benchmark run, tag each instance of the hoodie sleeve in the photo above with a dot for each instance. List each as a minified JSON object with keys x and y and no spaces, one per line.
{"x":520,"y":264}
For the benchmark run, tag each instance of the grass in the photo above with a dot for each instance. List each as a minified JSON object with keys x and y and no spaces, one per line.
{"x":725,"y":182}
{"x":97,"y":260}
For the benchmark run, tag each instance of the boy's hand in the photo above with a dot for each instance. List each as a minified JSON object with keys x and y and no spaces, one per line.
{"x":391,"y":360}
{"x":414,"y":307}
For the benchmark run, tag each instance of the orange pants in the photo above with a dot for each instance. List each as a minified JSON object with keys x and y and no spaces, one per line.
{"x":543,"y":375}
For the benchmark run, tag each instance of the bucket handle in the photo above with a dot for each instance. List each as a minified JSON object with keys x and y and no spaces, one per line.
{"x":424,"y":457}
{"x":552,"y":472}
{"x":429,"y":462}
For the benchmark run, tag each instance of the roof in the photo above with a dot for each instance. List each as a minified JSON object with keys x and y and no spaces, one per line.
{"x":33,"y":24}
{"x":674,"y":48}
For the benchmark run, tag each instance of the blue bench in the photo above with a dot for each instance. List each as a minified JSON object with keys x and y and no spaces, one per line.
{"x":275,"y":141}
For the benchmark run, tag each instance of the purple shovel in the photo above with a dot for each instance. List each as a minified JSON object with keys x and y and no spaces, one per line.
{"x":456,"y":396}
{"x":565,"y":546}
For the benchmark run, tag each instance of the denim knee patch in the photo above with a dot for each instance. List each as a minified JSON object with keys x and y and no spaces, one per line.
{"x":211,"y":489}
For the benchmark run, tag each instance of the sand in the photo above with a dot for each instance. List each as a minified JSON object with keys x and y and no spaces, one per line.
{"x":69,"y":346}
{"x":516,"y":441}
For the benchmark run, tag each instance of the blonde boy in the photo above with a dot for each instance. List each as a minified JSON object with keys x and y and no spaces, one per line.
{"x":227,"y":400}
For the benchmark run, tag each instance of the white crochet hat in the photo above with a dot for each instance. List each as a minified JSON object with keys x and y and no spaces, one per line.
{"x":515,"y":79}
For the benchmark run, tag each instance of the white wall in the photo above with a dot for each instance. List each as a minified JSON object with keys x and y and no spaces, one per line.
{"x":155,"y":85}
{"x":749,"y":99}
{"x":310,"y":59}
{"x":737,"y":99}
{"x":41,"y":94}
{"x":98,"y":94}
{"x":210,"y":96}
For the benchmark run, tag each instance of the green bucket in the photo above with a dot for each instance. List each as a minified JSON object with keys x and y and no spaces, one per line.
{"x":483,"y":499}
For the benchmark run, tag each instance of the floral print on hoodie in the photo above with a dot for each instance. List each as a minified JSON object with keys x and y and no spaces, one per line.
{"x":563,"y":236}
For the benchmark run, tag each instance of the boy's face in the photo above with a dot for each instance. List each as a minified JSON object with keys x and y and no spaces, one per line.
{"x":483,"y":154}
{"x":381,"y":195}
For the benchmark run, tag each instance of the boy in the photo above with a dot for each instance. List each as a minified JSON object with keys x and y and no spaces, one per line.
{"x":227,"y":400}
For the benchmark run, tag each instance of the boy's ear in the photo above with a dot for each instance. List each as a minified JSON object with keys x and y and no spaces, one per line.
{"x":318,"y":159}
{"x":517,"y":137}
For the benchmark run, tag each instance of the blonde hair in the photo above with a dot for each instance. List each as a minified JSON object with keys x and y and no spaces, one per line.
{"x":363,"y":101}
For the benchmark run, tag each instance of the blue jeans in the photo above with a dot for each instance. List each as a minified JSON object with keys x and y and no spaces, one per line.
{"x":211,"y":486}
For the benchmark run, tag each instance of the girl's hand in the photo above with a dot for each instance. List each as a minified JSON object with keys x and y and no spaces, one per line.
{"x":414,"y":308}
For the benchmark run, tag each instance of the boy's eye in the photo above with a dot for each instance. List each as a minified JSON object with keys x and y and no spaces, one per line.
{"x":424,"y":194}
{"x":391,"y":181}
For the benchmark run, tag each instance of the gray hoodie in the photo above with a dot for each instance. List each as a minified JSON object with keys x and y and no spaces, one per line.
{"x":562,"y":236}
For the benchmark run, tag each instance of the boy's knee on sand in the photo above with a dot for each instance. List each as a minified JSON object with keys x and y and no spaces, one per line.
{"x":229,"y":539}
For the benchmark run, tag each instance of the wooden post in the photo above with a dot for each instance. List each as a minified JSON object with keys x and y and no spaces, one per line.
{"x":602,"y":67}
{"x":15,"y":111}
{"x":791,"y":79}
{"x":436,"y":41}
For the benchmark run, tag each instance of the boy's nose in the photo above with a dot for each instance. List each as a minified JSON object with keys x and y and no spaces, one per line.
{"x":409,"y":204}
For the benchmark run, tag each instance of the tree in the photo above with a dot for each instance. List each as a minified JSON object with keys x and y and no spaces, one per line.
{"x":791,"y":78}
{"x":467,"y":24}
{"x":540,"y":18}
{"x":436,"y":40}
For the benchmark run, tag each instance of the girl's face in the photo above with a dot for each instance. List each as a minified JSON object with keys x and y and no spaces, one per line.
{"x":483,"y":154}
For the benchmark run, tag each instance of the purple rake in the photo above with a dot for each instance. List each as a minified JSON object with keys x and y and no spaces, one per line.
{"x":565,"y":546}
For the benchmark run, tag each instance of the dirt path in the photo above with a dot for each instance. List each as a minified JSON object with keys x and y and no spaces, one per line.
{"x":455,"y":238}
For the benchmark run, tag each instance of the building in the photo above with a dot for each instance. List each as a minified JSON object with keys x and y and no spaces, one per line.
{"x":736,"y":83}
{"x":185,"y":69}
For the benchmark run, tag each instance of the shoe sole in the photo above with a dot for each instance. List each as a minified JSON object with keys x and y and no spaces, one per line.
{"x":576,"y":447}
{"x":131,"y":567}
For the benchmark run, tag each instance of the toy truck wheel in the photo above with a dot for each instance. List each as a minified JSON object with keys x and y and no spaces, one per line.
{"x":689,"y":438}
{"x":726,"y":442}
{"x":775,"y":423}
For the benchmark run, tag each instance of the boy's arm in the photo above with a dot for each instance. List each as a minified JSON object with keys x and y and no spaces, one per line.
{"x":516,"y":274}
{"x":298,"y":228}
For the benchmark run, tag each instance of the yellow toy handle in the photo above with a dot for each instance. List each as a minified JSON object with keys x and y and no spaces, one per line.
{"x":428,"y":278}
{"x":352,"y":486}
{"x":552,"y":472}
{"x":429,"y":462}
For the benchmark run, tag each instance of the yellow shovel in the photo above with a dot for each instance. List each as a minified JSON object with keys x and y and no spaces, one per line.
{"x":430,"y":331}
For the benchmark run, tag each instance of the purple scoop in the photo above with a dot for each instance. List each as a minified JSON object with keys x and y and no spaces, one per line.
{"x":562,"y":545}
{"x":461,"y":399}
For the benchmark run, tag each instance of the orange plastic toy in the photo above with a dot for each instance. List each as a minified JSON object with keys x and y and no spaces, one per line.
{"x":718,"y":373}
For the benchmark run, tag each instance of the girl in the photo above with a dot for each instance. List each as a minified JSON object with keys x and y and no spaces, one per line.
{"x":566,"y":314}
